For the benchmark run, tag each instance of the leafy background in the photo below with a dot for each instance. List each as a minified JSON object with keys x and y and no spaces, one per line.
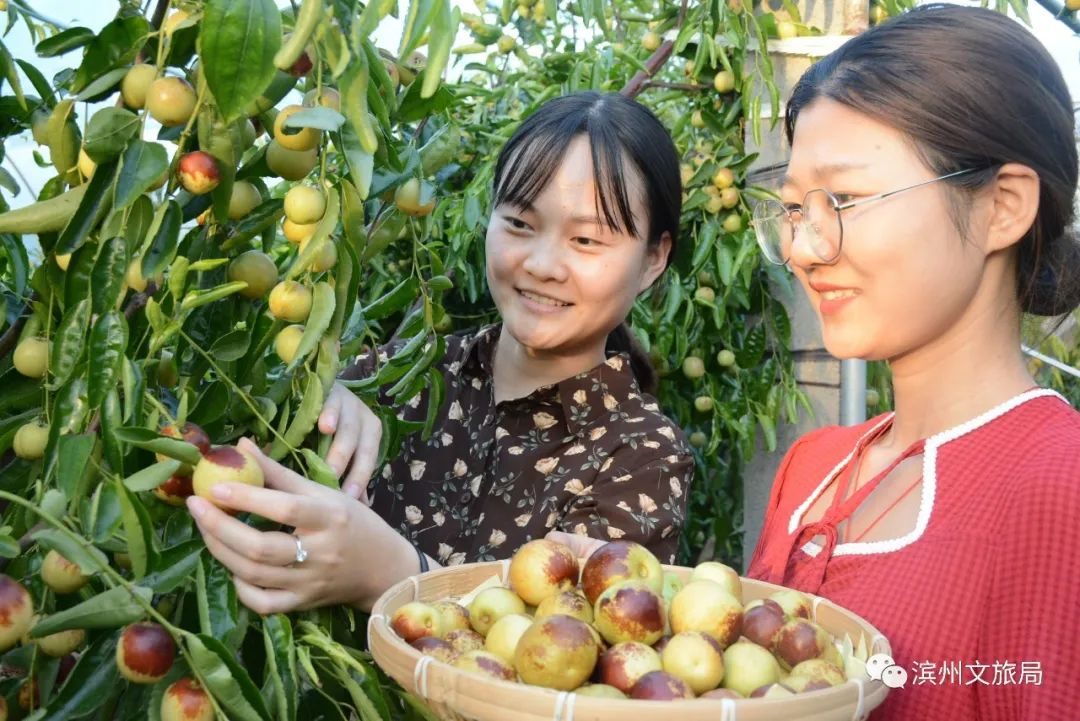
{"x":397,"y":276}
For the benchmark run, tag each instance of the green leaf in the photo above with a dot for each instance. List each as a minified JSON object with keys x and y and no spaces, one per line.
{"x":70,"y":410}
{"x":212,"y":404}
{"x":152,"y":476}
{"x":79,"y":274}
{"x":176,"y":565}
{"x":196,"y":298}
{"x":281,"y":664}
{"x":353,"y":86}
{"x":400,"y":296}
{"x":54,"y":502}
{"x":440,"y":149}
{"x":444,"y":29}
{"x":372,"y":15}
{"x":319,"y":470}
{"x":433,"y":350}
{"x":1021,"y":10}
{"x":138,"y":530}
{"x":74,"y":451}
{"x":117,"y":44}
{"x":92,"y":209}
{"x":41,"y":85}
{"x":361,"y":163}
{"x":222,"y":608}
{"x":133,"y":384}
{"x":231,"y":346}
{"x":414,"y":107}
{"x":318,"y":321}
{"x":320,"y":118}
{"x":151,"y":441}
{"x":436,"y":394}
{"x":416,"y":24}
{"x":89,"y":684}
{"x":8,"y":183}
{"x":104,"y":86}
{"x":201,"y":602}
{"x":322,"y":235}
{"x":69,"y":342}
{"x":111,"y":609}
{"x":753,"y":348}
{"x":108,"y":132}
{"x":346,"y":279}
{"x":265,"y":215}
{"x":226,"y":679}
{"x":9,"y":547}
{"x":768,"y":425}
{"x":102,"y":519}
{"x":110,"y":421}
{"x":11,"y":74}
{"x":142,"y":165}
{"x":108,"y":345}
{"x":89,"y":559}
{"x":237,"y":41}
{"x":18,"y":262}
{"x":107,"y":278}
{"x":139,"y":218}
{"x":206,"y":264}
{"x":364,"y":705}
{"x":165,"y":237}
{"x":64,"y":41}
{"x":303,"y":421}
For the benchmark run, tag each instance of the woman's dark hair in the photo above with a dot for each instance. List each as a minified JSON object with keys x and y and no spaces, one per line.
{"x":618,"y":128}
{"x":972,"y":89}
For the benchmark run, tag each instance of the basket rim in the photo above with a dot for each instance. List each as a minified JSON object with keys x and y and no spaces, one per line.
{"x":379,"y":625}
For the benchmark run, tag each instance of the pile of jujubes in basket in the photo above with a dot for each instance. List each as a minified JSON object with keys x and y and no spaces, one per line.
{"x":621,"y":626}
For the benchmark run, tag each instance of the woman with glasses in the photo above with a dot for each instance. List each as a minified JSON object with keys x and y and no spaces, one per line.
{"x":926,"y":209}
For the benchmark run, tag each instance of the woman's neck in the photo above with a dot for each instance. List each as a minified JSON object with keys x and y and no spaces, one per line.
{"x":520,"y":370}
{"x":971,"y":368}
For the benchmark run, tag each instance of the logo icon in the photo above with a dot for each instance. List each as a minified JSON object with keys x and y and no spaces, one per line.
{"x":881,"y":667}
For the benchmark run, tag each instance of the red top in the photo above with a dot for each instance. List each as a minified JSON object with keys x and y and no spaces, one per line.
{"x":981,"y":600}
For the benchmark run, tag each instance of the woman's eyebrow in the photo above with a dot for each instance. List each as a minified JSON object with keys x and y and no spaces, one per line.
{"x":587,"y":220}
{"x":825,"y":171}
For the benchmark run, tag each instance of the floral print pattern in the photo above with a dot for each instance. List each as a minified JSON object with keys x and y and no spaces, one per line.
{"x":591,"y":455}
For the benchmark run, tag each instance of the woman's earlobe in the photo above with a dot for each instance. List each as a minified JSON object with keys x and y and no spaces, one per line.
{"x":657,"y":261}
{"x":663,"y":249}
{"x":1015,"y":205}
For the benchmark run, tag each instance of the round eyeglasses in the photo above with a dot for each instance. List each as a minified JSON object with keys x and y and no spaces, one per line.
{"x":817,"y":219}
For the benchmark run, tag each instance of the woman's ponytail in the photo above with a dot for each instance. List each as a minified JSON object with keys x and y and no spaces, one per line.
{"x":622,"y":340}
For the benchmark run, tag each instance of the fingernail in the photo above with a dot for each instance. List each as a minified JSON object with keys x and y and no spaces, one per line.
{"x":331,"y":420}
{"x":220,"y":491}
{"x":196,"y":506}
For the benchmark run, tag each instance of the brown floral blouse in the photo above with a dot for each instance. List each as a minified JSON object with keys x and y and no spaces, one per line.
{"x":591,"y":455}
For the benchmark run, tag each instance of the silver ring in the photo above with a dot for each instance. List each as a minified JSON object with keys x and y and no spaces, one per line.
{"x":301,"y":552}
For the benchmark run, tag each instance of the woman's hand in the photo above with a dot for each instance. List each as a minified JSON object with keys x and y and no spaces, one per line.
{"x":352,"y":554}
{"x":357,"y":432}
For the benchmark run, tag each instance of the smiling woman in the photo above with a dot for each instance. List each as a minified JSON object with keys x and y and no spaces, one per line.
{"x":551,"y":403}
{"x":928,"y":207}
{"x":547,"y":425}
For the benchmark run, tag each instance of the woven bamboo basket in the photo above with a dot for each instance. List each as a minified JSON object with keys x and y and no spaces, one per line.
{"x":456,"y":695}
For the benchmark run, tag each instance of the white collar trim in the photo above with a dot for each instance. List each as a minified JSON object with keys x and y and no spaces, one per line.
{"x":929,"y":485}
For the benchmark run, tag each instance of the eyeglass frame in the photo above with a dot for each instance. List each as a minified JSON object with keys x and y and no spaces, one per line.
{"x":837,"y":207}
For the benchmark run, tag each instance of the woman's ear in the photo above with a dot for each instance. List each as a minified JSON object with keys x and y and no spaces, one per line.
{"x":1014,"y":203}
{"x":656,"y":261}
